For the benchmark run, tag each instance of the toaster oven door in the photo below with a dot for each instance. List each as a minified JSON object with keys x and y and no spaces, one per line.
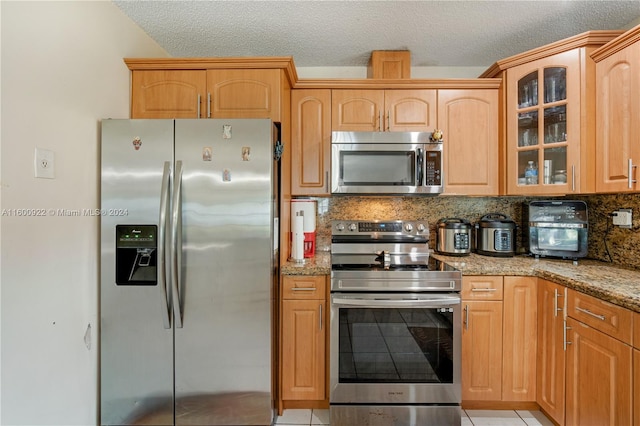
{"x":567,"y":240}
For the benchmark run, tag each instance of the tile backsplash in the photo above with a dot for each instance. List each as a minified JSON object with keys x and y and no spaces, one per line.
{"x":606,"y":242}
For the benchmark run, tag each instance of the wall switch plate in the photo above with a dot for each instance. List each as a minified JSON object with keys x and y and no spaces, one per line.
{"x":44,"y":164}
{"x":623,"y":218}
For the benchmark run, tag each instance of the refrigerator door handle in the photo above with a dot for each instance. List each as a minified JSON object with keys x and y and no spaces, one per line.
{"x":176,"y":244}
{"x":162,"y":266}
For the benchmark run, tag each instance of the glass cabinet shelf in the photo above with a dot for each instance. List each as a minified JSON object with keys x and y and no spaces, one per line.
{"x":542,"y":127}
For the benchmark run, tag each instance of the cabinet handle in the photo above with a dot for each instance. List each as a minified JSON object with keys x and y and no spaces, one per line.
{"x":630,"y":173}
{"x":208,"y":105}
{"x":484,"y":289}
{"x":320,"y":316}
{"x":555,"y":302}
{"x":303,"y":289}
{"x":588,"y":312}
{"x":198,"y":106}
{"x":466,"y":317}
{"x":564,"y":336}
{"x":573,"y":178}
{"x":388,"y":120}
{"x":380,"y":121}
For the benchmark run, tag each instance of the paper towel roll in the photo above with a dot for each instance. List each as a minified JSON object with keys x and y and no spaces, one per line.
{"x":308,"y":209}
{"x":297,"y":243}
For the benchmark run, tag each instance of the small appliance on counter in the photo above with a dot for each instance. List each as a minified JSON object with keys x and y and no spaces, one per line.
{"x":453,"y":237}
{"x":496,"y":235}
{"x":558,"y":228}
{"x":303,"y":229}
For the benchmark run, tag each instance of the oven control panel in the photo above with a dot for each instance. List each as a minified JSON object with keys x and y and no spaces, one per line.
{"x":391,"y":228}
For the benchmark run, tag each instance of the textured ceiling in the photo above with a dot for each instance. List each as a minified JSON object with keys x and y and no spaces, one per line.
{"x":343,"y":33}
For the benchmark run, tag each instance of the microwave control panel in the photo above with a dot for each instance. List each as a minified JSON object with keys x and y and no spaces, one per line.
{"x":433,"y":161}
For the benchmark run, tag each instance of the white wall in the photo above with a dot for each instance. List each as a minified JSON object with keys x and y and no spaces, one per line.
{"x":62,"y":71}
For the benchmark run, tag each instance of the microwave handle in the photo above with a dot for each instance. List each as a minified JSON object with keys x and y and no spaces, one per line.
{"x":420,"y":161}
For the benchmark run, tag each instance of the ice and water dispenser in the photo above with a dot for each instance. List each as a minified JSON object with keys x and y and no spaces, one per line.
{"x":136,"y":255}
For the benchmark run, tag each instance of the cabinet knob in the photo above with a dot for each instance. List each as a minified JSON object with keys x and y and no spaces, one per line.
{"x":437,"y":135}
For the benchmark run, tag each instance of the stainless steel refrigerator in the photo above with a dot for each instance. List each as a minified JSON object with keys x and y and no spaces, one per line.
{"x":188,"y":272}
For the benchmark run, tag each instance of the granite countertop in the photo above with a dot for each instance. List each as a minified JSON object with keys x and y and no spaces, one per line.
{"x":608,"y":282}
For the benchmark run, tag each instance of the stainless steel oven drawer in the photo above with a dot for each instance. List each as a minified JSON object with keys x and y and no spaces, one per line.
{"x":395,"y":415}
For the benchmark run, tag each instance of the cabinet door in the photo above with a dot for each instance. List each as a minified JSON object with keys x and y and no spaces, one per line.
{"x":599,"y":378}
{"x":409,"y":110}
{"x":519,"y":339}
{"x":311,"y":141}
{"x":618,"y":121}
{"x":244,"y":93}
{"x":303,"y":349}
{"x":482,"y":351}
{"x":543,"y":126}
{"x":469,"y":122}
{"x":357,"y":110}
{"x":636,"y":386}
{"x":167,"y":93}
{"x":550,"y":374}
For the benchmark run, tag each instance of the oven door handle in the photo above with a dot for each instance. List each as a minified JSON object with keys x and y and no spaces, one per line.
{"x":383,"y":302}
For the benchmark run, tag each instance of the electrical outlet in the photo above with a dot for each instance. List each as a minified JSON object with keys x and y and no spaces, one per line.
{"x":623,"y":218}
{"x":44,"y":164}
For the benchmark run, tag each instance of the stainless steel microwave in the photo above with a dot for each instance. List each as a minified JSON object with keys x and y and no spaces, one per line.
{"x":386,"y":163}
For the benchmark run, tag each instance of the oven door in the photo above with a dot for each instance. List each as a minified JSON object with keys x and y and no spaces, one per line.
{"x":395,"y":348}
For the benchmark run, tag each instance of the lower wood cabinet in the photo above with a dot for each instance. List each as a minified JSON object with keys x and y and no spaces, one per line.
{"x":519,"y":339}
{"x":303,"y":340}
{"x":498,"y":339}
{"x":552,"y":310}
{"x":636,"y":369}
{"x":599,"y":376}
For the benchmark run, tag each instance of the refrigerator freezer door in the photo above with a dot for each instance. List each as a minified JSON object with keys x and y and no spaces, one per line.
{"x":223,"y":350}
{"x":136,"y":349}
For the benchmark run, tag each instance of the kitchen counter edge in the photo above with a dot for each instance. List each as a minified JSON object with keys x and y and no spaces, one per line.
{"x":605,"y":281}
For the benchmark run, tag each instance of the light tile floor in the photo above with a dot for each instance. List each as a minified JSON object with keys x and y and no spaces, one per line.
{"x":469,"y":418}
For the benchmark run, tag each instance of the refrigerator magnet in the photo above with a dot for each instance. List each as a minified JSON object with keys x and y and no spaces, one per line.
{"x":226,"y":175}
{"x":207,"y":152}
{"x":246,"y":152}
{"x":137,"y":143}
{"x":226,"y":131}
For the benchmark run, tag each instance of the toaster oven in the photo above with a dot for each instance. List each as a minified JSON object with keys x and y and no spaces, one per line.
{"x":558,"y":228}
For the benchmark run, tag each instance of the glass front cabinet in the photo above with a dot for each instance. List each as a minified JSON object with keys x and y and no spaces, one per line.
{"x":543,"y":126}
{"x":549,"y":121}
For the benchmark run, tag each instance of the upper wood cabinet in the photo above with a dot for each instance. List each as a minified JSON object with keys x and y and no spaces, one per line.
{"x":383,"y":110}
{"x":310,"y":142}
{"x":210,"y":87}
{"x":618,"y":114}
{"x":206,"y":94}
{"x":469,"y":122}
{"x":167,"y":93}
{"x":550,"y":116}
{"x":246,"y":93}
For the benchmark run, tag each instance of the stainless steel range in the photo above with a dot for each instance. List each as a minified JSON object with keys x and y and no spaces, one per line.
{"x":395,"y":327}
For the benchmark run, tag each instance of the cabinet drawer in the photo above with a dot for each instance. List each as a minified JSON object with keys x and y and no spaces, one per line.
{"x":482,"y":287}
{"x":303,"y":287}
{"x":603,"y":316}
